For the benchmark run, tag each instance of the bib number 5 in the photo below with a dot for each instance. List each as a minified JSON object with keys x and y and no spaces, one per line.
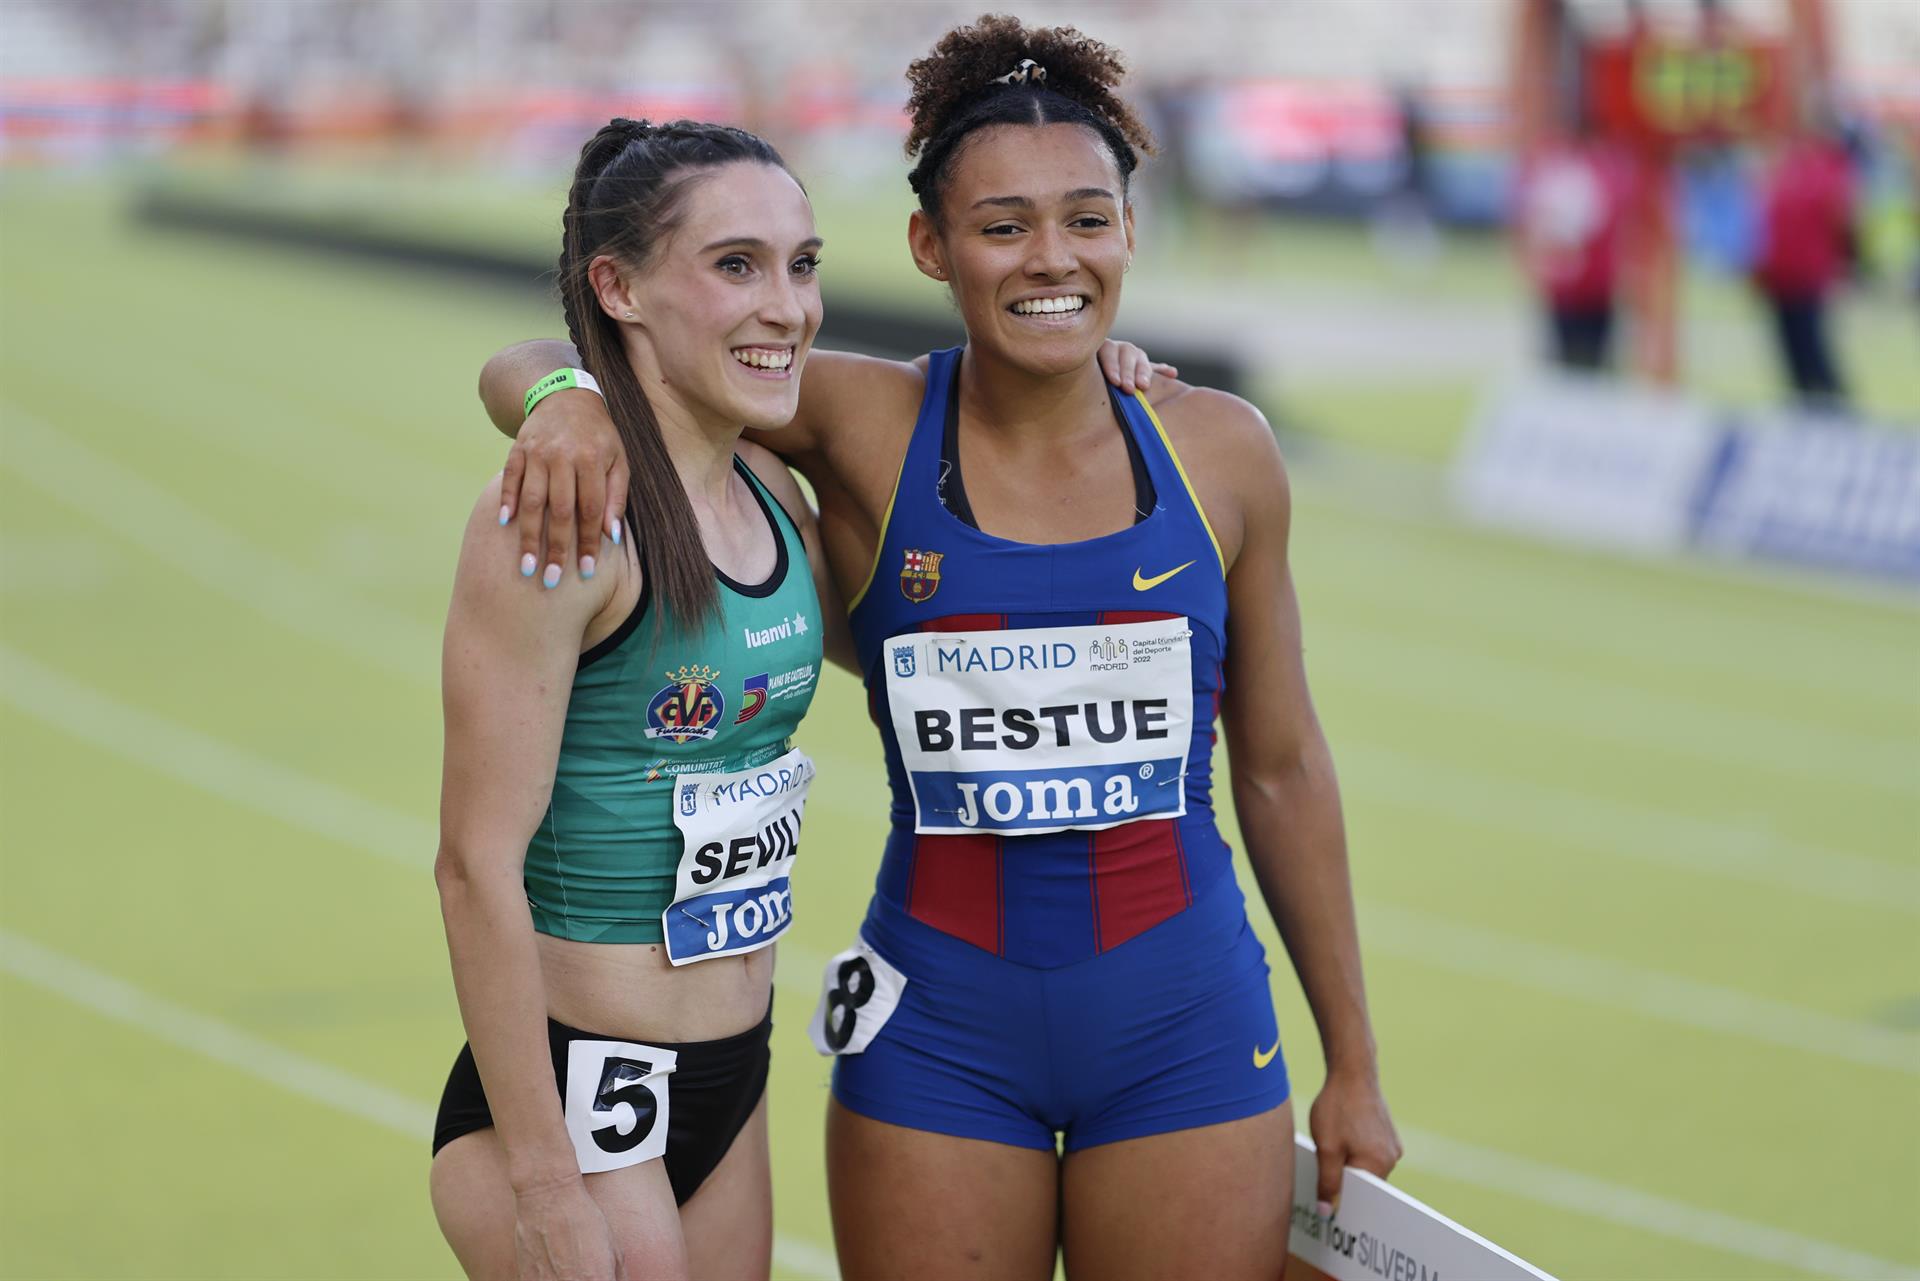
{"x":616,"y":1103}
{"x":858,"y":994}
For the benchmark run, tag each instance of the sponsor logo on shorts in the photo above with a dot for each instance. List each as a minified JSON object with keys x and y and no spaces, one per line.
{"x":1263,"y":1057}
{"x":689,"y":706}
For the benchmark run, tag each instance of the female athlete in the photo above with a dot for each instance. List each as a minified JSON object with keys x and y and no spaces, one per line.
{"x":1055,"y":1031}
{"x":621,"y":806}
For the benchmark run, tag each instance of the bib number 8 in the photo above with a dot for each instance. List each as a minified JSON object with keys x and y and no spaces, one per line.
{"x":844,"y":999}
{"x":858,"y":994}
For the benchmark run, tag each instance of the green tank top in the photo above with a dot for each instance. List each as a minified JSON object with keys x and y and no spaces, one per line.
{"x":677,"y":794}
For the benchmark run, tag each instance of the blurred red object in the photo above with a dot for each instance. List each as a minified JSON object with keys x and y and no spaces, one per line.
{"x":1806,"y":207}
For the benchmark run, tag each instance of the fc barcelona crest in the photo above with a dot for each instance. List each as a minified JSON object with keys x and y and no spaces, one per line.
{"x":920,"y":576}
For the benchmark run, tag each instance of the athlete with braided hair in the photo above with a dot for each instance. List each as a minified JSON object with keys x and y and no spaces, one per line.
{"x":1055,"y":1031}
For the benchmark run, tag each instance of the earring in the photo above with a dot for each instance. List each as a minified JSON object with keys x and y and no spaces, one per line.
{"x":939,"y":273}
{"x":629,"y":315}
{"x":1129,"y":265}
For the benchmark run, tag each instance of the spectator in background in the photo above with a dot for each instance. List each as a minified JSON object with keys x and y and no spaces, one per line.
{"x":1572,"y":197}
{"x":1806,"y":220}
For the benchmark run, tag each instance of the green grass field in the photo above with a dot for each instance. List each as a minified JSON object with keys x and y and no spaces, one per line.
{"x":1636,"y":845}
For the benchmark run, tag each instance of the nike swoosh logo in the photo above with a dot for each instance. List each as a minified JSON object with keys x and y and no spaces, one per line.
{"x":1263,"y":1057}
{"x":1147,"y":584}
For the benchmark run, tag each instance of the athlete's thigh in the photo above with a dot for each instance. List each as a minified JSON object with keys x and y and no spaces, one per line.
{"x":638,"y":1203}
{"x":914,"y":1204}
{"x":1208,"y":1202}
{"x":728,"y":1223}
{"x":474,"y":1204}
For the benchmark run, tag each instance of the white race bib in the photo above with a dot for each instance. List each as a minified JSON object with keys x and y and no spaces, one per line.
{"x":858,"y":994}
{"x":1046,"y":729}
{"x":616,"y":1103}
{"x":740,"y":833}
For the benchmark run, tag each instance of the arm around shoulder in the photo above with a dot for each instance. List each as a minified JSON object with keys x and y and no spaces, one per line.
{"x":839,"y":391}
{"x":505,"y":377}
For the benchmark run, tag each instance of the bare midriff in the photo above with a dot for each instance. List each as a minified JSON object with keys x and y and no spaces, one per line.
{"x":631,"y":991}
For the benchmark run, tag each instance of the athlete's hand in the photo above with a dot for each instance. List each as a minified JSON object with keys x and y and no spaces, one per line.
{"x":559,"y":1234}
{"x":1350,"y":1126}
{"x":566,"y":476}
{"x":1128,"y":368}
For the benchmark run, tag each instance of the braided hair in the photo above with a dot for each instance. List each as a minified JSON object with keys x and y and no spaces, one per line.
{"x":627,"y":198}
{"x":999,"y":71}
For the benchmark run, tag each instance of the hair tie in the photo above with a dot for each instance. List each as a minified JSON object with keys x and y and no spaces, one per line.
{"x":1028,"y":72}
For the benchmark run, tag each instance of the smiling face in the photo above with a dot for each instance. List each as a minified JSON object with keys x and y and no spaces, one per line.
{"x":726,"y":309}
{"x":1034,"y":237}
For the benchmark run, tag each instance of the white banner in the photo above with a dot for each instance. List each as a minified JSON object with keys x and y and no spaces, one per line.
{"x":1588,"y":460}
{"x":1381,"y":1232}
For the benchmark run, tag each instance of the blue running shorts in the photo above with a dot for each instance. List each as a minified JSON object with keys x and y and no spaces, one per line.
{"x":1171,"y":1030}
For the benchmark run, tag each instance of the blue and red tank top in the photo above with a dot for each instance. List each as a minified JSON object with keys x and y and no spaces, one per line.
{"x":1047,"y":711}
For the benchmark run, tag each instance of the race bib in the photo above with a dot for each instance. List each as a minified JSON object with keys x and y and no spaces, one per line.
{"x":1046,"y":729}
{"x":858,"y":994}
{"x":740,"y":833}
{"x":616,"y":1103}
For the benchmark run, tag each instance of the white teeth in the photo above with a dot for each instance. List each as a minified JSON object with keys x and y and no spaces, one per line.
{"x":759,"y":358}
{"x":1049,"y":306}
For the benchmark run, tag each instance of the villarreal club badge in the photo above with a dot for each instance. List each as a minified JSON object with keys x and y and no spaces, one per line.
{"x":689,"y":706}
{"x":920,"y":576}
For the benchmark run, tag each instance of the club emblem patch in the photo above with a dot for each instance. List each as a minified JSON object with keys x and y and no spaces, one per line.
{"x":920,"y":576}
{"x":689,"y":706}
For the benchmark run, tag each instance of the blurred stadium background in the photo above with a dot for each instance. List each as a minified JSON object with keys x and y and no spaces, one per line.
{"x":1635,"y":828}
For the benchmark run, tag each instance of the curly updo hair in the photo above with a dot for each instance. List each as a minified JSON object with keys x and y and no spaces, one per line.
{"x":962,"y":86}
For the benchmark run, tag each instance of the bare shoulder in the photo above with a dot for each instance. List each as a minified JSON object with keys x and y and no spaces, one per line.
{"x":1230,"y":455}
{"x":1216,"y":420}
{"x":858,"y":388}
{"x":489,"y":583}
{"x":860,"y":423}
{"x":777,"y":477}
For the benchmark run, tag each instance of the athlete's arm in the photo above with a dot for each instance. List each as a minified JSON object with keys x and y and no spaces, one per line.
{"x":507,"y":671}
{"x":1284,"y":787}
{"x":837,"y":639}
{"x":566,"y":481}
{"x":566,"y":475}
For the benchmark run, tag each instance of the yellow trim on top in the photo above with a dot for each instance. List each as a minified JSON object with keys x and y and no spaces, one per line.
{"x":880,"y":543}
{"x":1184,"y":479}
